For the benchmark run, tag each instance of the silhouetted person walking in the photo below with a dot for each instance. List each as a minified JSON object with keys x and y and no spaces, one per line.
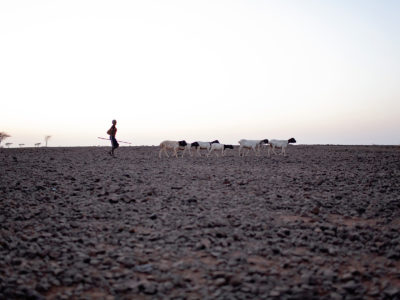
{"x":112,"y":133}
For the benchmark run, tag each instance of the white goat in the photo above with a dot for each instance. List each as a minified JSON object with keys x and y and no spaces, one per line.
{"x":219,"y":147}
{"x":251,"y":144}
{"x":280,"y":144}
{"x":203,"y":145}
{"x":175,"y":146}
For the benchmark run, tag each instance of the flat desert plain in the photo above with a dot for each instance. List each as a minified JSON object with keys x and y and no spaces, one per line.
{"x":321,"y":223}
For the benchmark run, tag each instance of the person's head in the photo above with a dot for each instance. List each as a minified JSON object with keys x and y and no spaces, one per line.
{"x":114,"y":122}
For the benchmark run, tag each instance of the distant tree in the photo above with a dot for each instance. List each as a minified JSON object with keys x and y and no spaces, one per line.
{"x":37,"y":144}
{"x":21,"y":145}
{"x":47,"y":138}
{"x":3,"y":136}
{"x":8,"y":145}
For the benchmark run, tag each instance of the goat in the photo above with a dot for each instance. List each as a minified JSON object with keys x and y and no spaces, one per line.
{"x":280,"y":144}
{"x":203,"y":145}
{"x":219,"y":147}
{"x":173,"y":145}
{"x":251,"y":144}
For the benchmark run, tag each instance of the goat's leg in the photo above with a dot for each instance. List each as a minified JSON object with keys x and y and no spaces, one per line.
{"x":175,"y":153}
{"x":245,"y":151}
{"x":165,"y":151}
{"x":258,"y":148}
{"x":208,"y":151}
{"x":269,"y":152}
{"x":273,"y":150}
{"x":254,"y":149}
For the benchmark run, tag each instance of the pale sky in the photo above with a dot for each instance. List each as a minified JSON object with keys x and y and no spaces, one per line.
{"x":324,"y":72}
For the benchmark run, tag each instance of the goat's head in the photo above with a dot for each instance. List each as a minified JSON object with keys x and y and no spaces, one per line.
{"x":215,"y":142}
{"x":291,"y":141}
{"x":182,"y":143}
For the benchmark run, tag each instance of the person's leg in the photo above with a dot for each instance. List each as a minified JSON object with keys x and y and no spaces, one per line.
{"x":114,"y":145}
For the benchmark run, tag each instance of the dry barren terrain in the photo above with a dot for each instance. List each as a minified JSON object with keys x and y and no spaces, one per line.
{"x":321,"y":223}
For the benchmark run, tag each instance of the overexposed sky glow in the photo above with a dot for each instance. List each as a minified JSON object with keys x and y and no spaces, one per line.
{"x":324,"y":72}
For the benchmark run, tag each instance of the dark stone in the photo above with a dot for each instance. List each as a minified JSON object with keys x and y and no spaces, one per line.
{"x":351,"y":287}
{"x":113,"y":200}
{"x":43,"y":285}
{"x":276,"y":250}
{"x":146,"y":268}
{"x":393,"y":254}
{"x":148,"y":288}
{"x":392,"y":292}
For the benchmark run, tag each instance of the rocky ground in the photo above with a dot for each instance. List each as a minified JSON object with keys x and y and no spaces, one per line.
{"x":321,"y":223}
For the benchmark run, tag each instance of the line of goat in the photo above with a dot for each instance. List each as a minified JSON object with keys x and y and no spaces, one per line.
{"x":216,"y":147}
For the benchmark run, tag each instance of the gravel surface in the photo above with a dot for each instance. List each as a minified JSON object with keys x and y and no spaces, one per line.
{"x":321,"y":223}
